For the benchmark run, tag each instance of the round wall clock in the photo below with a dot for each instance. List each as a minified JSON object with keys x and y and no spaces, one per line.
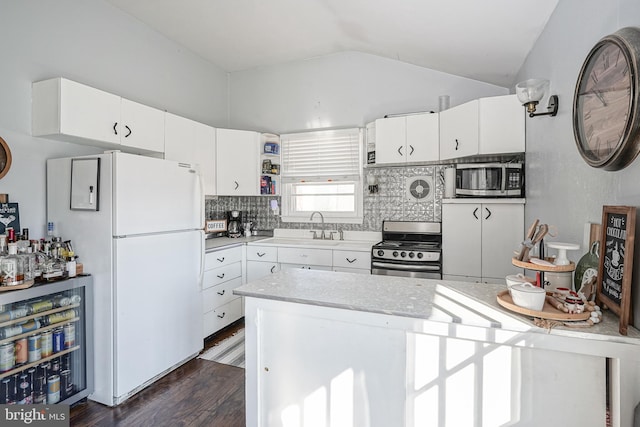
{"x":606,"y":122}
{"x":5,"y":158}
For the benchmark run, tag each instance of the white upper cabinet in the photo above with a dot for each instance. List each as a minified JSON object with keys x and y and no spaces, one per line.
{"x":192,"y":142}
{"x":70,"y":111}
{"x":237,"y":157}
{"x":484,"y":126}
{"x":141,"y":127}
{"x":407,"y":139}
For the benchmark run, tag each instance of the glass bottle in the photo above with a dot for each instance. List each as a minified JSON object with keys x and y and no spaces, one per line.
{"x":7,"y":392}
{"x":11,"y":268}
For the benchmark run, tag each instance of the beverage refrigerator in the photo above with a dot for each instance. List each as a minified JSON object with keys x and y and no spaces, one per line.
{"x":46,"y":349}
{"x":136,"y":222}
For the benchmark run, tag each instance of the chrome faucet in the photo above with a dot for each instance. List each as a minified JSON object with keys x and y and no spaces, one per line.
{"x":322,"y":234}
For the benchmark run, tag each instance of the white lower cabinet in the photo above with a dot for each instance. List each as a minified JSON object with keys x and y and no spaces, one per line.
{"x":261,"y":261}
{"x":479,"y":239}
{"x":222,"y":274}
{"x":305,"y":258}
{"x":352,"y":261}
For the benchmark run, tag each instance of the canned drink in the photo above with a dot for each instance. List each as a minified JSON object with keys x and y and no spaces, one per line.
{"x":53,"y":389}
{"x":21,"y":352}
{"x":69,"y":335}
{"x":55,"y":366}
{"x":58,"y":340}
{"x":46,"y":344}
{"x":66,"y":387}
{"x":7,"y":356}
{"x":33,"y":344}
{"x":44,"y":305}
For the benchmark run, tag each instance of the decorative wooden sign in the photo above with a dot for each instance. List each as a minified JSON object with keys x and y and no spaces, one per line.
{"x":616,"y":261}
{"x":9,"y":217}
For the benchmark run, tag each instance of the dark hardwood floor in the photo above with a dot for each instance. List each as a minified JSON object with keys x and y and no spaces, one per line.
{"x":199,"y":393}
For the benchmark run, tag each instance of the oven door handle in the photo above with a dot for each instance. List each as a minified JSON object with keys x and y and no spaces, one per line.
{"x":409,"y":267}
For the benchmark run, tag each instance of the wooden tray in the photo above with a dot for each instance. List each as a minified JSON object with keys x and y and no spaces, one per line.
{"x":547,"y":312}
{"x":538,"y":267}
{"x":17,"y":287}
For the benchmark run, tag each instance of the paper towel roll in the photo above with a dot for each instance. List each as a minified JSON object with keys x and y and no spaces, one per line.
{"x":450,"y":182}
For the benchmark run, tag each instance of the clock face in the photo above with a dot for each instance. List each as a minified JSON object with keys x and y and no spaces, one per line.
{"x":603,"y":102}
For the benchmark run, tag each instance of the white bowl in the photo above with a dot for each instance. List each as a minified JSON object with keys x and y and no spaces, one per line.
{"x":528,"y":296}
{"x":517,"y":279}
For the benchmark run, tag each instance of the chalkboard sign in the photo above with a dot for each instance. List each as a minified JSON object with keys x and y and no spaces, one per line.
{"x":616,"y":261}
{"x":9,"y":217}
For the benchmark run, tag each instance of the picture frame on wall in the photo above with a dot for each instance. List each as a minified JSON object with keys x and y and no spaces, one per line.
{"x":616,"y":262}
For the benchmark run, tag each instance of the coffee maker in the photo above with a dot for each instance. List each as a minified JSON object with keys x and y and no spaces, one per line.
{"x":234,"y":225}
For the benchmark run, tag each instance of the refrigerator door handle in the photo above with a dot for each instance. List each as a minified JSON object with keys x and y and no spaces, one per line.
{"x":202,"y":250}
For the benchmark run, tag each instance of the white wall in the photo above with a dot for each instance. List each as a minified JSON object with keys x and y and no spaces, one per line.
{"x":561,"y":188}
{"x":94,"y":43}
{"x":341,"y":90}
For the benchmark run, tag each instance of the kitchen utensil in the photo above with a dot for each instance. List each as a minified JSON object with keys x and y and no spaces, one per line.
{"x":527,"y":244}
{"x":528,"y":296}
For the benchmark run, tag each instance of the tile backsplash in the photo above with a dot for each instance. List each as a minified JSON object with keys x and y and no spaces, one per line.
{"x":392,"y":201}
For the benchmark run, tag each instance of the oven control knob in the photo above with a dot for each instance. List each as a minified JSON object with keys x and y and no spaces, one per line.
{"x":403,"y":254}
{"x":420,"y":255}
{"x":380,"y":252}
{"x":395,"y":253}
{"x":411,"y":254}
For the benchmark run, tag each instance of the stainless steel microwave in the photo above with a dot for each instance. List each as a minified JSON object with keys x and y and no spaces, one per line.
{"x":490,"y":180}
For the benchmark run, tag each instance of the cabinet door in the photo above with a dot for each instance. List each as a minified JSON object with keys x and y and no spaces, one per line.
{"x":423,"y":138}
{"x":501,"y":125}
{"x":502,"y":233}
{"x":459,"y":131}
{"x":88,"y":113}
{"x":237,"y":154}
{"x":461,"y":239}
{"x":192,"y":142}
{"x":141,"y":127}
{"x":391,"y":140}
{"x":259,"y":269}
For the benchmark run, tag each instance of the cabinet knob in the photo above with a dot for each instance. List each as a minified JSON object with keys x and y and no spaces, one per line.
{"x":129,"y":129}
{"x":222,"y":315}
{"x":351,"y":261}
{"x":115,"y":128}
{"x":457,"y":144}
{"x":220,"y":276}
{"x":261,"y":254}
{"x":488,"y":213}
{"x":221,"y":293}
{"x":475,"y":213}
{"x":237,"y":185}
{"x":220,"y":259}
{"x":411,"y":152}
{"x":400,"y":150}
{"x":273,"y":267}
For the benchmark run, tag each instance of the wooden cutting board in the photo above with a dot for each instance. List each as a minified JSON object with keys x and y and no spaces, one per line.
{"x":547,"y":312}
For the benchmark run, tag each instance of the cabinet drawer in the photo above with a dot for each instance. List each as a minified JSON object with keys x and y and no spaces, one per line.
{"x":306,"y":267}
{"x":352,"y":259}
{"x":262,"y":253}
{"x":305,"y":256}
{"x":222,"y":257}
{"x":222,"y":316}
{"x":219,"y":295}
{"x":220,"y":275}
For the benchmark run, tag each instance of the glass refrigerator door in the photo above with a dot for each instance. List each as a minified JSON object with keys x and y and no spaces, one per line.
{"x":43,"y":348}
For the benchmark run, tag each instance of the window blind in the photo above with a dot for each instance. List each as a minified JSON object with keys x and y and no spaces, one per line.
{"x":333,"y":155}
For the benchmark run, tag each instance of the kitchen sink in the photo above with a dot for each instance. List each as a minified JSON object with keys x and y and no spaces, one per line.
{"x":298,"y":242}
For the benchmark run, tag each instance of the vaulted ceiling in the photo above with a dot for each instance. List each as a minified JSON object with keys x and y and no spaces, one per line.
{"x":485,"y":40}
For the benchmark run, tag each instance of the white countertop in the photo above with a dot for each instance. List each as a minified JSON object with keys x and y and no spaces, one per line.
{"x":217,"y":243}
{"x":467,"y":303}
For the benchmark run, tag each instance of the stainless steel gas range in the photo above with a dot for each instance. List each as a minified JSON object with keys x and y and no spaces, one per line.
{"x":410,"y":249}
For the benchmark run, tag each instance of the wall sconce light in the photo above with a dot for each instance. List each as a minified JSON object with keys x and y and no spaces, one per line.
{"x":372,"y":182}
{"x":531,"y":91}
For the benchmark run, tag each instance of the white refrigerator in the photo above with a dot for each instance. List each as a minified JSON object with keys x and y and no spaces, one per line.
{"x":136,"y":224}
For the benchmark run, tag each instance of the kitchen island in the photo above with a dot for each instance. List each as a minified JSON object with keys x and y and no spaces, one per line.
{"x":346,"y":349}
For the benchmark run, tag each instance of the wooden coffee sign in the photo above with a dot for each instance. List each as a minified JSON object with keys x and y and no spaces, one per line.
{"x":616,"y":261}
